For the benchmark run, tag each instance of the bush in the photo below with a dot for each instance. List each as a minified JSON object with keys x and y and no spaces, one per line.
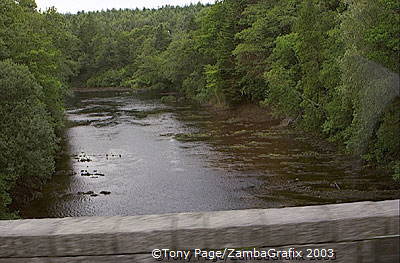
{"x":27,"y":139}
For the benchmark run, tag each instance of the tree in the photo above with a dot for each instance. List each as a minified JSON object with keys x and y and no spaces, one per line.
{"x":284,"y":93}
{"x":370,"y":78}
{"x":263,"y":22}
{"x":27,"y":139}
{"x":30,"y":40}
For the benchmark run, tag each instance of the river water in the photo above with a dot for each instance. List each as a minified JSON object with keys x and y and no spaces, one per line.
{"x":126,"y":154}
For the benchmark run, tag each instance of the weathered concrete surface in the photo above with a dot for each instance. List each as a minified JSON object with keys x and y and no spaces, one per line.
{"x":358,"y":232}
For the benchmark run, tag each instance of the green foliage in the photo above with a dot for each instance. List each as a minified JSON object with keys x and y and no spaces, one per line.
{"x":42,"y":42}
{"x":38,"y":56}
{"x":182,"y":64}
{"x":310,"y":29}
{"x":136,"y":48}
{"x":263,"y":23}
{"x":110,"y":78}
{"x":27,"y":140}
{"x":193,"y":84}
{"x":371,"y":86}
{"x":213,"y":90}
{"x":284,"y":93}
{"x":216,"y":40}
{"x":385,"y":147}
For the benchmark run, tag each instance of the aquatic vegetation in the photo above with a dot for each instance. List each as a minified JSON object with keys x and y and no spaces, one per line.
{"x":241,"y":132}
{"x":264,"y":134}
{"x":192,"y":136}
{"x":307,"y":154}
{"x":168,"y":99}
{"x":272,"y":156}
{"x":239,"y":146}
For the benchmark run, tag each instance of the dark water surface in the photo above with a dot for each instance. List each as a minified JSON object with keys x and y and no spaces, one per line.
{"x":152,"y":158}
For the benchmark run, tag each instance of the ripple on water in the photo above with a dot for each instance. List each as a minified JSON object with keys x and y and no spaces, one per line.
{"x":180,"y":158}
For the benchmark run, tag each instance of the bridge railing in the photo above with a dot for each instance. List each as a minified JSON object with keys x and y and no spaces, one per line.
{"x":354,"y":232}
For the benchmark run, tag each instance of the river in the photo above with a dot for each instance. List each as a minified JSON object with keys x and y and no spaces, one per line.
{"x":128,"y":154}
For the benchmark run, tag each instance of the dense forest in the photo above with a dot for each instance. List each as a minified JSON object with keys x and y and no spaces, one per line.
{"x":331,"y":66}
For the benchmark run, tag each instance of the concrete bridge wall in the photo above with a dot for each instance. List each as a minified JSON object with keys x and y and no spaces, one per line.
{"x":357,"y":232}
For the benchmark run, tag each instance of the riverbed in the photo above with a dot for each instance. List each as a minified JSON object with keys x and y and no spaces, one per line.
{"x":129,"y":154}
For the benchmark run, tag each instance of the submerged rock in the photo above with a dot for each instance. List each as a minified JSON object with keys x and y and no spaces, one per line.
{"x":83,"y":158}
{"x":105,"y":192}
{"x":86,"y":193}
{"x":85,"y":173}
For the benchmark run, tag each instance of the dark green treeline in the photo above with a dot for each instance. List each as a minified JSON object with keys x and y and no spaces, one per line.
{"x":330,"y":65}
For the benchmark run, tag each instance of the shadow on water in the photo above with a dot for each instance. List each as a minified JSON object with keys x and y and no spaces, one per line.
{"x":128,"y":154}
